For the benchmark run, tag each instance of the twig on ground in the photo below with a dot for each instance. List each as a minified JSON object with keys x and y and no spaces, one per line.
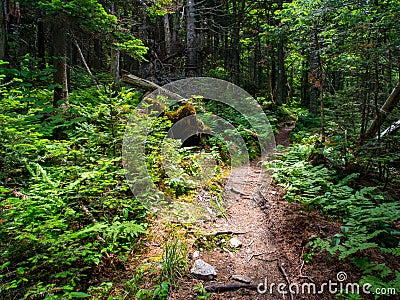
{"x":229,"y":252}
{"x":286,"y":278}
{"x":223,"y":232}
{"x":267,"y":260}
{"x":249,"y":244}
{"x":254,"y":255}
{"x":301,"y":273}
{"x":225,"y":287}
{"x":237,"y":192}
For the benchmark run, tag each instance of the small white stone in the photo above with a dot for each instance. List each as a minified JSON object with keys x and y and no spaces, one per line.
{"x":241,"y":278}
{"x":196,"y":254}
{"x":202,"y":269}
{"x":235,"y":243}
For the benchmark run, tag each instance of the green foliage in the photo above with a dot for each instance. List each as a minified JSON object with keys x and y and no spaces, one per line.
{"x":64,"y":203}
{"x":160,"y":292}
{"x":90,"y":14}
{"x":174,"y":260}
{"x":368,"y":216}
{"x":218,"y":72}
{"x":201,"y":292}
{"x":133,"y":47}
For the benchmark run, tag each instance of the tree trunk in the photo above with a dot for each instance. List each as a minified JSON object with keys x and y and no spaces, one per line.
{"x":3,"y":31}
{"x":381,"y":115}
{"x":13,"y":17}
{"x":98,"y":62}
{"x":235,"y":43}
{"x":115,"y":55}
{"x":393,"y":128}
{"x":314,"y":74}
{"x":281,"y":78}
{"x":60,"y":76}
{"x":41,"y":41}
{"x":191,"y":39}
{"x":114,"y":66}
{"x":167,"y":36}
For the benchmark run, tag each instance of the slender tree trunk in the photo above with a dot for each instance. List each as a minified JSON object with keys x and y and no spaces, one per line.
{"x":167,"y":36}
{"x":191,"y":38}
{"x":41,"y":42}
{"x":235,"y":43}
{"x":314,"y":75}
{"x":257,"y":58}
{"x":114,"y":65}
{"x":98,"y":62}
{"x":115,"y":55}
{"x":281,"y":78}
{"x":86,"y":65}
{"x":143,"y":29}
{"x":60,"y":76}
{"x":3,"y":31}
{"x":13,"y":16}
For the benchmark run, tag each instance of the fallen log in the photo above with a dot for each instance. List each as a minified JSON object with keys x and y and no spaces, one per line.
{"x":149,"y":86}
{"x":226,"y":287}
{"x":386,"y":109}
{"x":391,"y":129}
{"x":144,"y":84}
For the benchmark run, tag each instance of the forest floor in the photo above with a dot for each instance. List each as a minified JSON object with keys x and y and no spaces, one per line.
{"x":274,"y":236}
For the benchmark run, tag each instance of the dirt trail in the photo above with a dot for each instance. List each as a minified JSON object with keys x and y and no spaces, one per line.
{"x":274,"y":234}
{"x":246,"y":215}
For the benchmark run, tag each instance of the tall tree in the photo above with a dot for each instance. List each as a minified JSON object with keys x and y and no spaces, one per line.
{"x":3,"y":31}
{"x":65,"y":18}
{"x":191,"y":38}
{"x":60,"y":54}
{"x":281,"y":90}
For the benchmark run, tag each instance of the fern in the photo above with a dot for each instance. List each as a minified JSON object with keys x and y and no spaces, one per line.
{"x":367,"y":215}
{"x":124,"y":230}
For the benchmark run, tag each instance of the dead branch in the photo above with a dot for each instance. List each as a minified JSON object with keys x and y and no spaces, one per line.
{"x":144,"y":84}
{"x":391,"y":129}
{"x":254,"y":255}
{"x":237,"y":191}
{"x":85,"y":64}
{"x":225,"y":287}
{"x":223,"y":232}
{"x":385,"y":110}
{"x":286,"y":278}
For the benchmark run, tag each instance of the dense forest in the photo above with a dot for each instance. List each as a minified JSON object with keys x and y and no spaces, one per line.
{"x":74,"y":77}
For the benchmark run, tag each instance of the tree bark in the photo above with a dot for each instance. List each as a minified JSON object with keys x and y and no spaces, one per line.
{"x":144,"y":84}
{"x":281,"y":78}
{"x":381,"y":115}
{"x":314,"y":74}
{"x":148,"y":85}
{"x":191,"y":39}
{"x":114,"y":66}
{"x":114,"y":55}
{"x":235,"y":43}
{"x":3,"y":31}
{"x":393,"y":128}
{"x":41,"y":41}
{"x":167,"y":35}
{"x":60,"y":64}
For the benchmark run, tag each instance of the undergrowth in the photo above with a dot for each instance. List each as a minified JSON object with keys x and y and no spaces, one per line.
{"x":369,"y":216}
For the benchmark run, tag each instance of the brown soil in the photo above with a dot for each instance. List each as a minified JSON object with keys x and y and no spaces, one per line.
{"x":274,"y":234}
